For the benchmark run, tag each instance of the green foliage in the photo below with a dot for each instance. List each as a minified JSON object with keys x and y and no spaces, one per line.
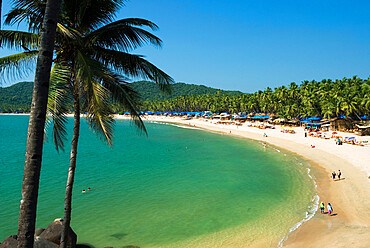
{"x":349,"y":97}
{"x":149,"y":90}
{"x":17,"y":97}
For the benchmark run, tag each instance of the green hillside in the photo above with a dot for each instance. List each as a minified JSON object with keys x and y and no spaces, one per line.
{"x":16,"y":97}
{"x":19,"y":96}
{"x":150,"y":91}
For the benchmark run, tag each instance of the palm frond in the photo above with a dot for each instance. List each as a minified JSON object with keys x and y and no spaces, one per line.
{"x":90,"y":14}
{"x":32,"y":17}
{"x":67,"y":32}
{"x":100,"y":116}
{"x":18,"y":65}
{"x":123,"y":94}
{"x":134,"y":66}
{"x":96,"y":96}
{"x":19,"y":40}
{"x":59,"y":100}
{"x":123,"y":36}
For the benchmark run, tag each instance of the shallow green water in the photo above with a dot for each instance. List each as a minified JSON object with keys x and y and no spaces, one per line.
{"x":168,"y":189}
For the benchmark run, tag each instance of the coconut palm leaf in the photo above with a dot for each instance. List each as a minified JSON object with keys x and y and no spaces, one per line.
{"x":100,"y":116}
{"x":99,"y":12}
{"x":34,"y":18}
{"x":18,"y":40}
{"x":123,"y":36}
{"x":18,"y":65}
{"x":134,"y":66}
{"x":59,"y":99}
{"x":123,"y":94}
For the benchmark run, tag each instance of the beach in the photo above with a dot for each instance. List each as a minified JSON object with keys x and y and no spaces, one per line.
{"x":349,"y":225}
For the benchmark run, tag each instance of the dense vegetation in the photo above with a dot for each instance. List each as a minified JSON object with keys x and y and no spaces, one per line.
{"x":350,"y":97}
{"x":16,"y":97}
{"x":150,"y":91}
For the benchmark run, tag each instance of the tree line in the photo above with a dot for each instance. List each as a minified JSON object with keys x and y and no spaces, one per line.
{"x":327,"y":98}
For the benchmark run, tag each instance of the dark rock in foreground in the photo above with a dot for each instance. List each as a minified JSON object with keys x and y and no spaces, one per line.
{"x":43,"y":243}
{"x":53,"y":233}
{"x":10,"y":242}
{"x":38,"y":231}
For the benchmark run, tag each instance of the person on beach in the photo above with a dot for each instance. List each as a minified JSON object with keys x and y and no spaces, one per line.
{"x":322,"y":207}
{"x":333,"y":175}
{"x":330,"y":208}
{"x":339,"y":174}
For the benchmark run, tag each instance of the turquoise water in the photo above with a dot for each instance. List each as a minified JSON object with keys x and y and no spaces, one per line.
{"x":178,"y":187}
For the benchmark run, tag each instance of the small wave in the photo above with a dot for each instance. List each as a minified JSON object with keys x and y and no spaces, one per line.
{"x":175,"y":125}
{"x":276,"y":149}
{"x":311,"y":211}
{"x":186,"y":127}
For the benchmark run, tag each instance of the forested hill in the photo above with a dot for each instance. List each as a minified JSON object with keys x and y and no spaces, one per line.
{"x":19,"y":96}
{"x":16,"y":97}
{"x":150,"y":91}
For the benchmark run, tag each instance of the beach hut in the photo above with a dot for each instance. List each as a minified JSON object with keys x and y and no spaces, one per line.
{"x":340,"y":124}
{"x":363,"y":130}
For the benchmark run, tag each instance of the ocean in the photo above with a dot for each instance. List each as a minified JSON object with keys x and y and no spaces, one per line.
{"x":176,"y":187}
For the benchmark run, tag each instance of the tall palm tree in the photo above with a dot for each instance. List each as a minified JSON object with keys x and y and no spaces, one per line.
{"x":90,"y":67}
{"x":27,"y":213}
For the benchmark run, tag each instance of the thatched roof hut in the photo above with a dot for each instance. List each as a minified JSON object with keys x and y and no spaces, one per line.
{"x":340,"y":124}
{"x":363,"y":130}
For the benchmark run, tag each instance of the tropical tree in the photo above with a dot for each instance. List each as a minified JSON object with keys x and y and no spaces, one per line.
{"x":45,"y":43}
{"x":91,"y":67}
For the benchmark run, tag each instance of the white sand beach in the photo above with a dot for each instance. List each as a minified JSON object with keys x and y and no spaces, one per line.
{"x":350,"y":197}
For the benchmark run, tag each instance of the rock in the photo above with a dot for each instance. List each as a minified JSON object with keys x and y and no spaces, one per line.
{"x":38,"y":231}
{"x":10,"y":242}
{"x":53,"y":233}
{"x":43,"y":243}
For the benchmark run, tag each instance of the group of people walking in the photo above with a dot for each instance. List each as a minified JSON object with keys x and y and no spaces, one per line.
{"x":328,"y":207}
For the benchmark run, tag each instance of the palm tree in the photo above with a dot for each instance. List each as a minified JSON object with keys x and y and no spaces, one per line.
{"x":91,"y":57}
{"x":27,"y":213}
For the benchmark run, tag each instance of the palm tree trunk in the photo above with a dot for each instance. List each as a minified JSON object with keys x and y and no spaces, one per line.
{"x":72,"y":168}
{"x":35,"y":137}
{"x":1,"y":5}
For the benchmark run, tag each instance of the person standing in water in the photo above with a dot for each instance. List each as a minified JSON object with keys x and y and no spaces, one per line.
{"x":322,"y":207}
{"x":330,"y":209}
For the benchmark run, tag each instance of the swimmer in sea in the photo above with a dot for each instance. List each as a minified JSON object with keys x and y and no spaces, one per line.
{"x":83,"y":191}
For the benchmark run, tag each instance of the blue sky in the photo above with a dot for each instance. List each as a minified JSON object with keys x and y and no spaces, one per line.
{"x":251,"y":45}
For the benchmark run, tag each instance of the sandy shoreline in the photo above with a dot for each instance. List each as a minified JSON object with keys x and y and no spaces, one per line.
{"x":350,"y":197}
